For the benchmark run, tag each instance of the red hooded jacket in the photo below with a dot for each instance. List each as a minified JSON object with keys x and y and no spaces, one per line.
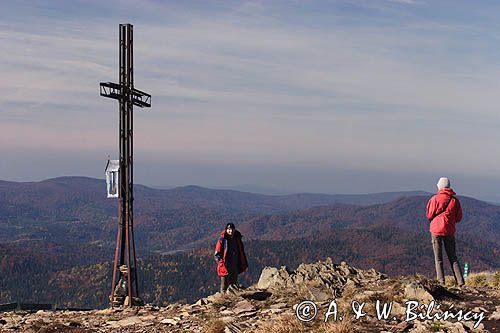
{"x":221,"y":251}
{"x":444,"y":211}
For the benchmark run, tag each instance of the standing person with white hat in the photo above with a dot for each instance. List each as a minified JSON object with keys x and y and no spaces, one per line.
{"x":443,"y":212}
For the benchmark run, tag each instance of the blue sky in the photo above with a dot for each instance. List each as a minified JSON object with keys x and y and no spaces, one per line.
{"x":330,"y":96}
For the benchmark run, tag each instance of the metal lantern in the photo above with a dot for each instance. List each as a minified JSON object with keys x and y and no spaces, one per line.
{"x":112,"y":178}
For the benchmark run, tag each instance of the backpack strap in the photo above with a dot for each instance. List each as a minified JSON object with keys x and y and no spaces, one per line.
{"x":442,"y":211}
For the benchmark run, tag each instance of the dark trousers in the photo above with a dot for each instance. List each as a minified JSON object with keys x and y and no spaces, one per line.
{"x":226,"y":281}
{"x":449,"y":246}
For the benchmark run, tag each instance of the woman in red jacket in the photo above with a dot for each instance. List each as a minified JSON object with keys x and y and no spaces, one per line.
{"x":230,"y":257}
{"x":443,"y":212}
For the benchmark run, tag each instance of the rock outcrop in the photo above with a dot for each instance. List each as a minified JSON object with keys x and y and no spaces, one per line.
{"x":323,"y":280}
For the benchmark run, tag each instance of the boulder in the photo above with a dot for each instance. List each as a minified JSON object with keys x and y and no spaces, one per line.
{"x":416,"y":291}
{"x":272,"y":277}
{"x":243,"y":306}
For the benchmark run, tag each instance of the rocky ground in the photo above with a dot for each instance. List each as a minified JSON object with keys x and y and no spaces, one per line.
{"x":348,"y":298}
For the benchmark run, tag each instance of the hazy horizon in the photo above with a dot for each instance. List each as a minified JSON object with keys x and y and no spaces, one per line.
{"x":269,"y":189}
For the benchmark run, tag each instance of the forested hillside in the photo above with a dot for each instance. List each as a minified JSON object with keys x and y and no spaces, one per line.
{"x":57,"y":238}
{"x":66,"y":276}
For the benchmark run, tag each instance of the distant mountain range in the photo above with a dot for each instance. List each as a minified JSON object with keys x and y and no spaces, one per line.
{"x":65,"y":191}
{"x":75,"y":209}
{"x":62,"y":231}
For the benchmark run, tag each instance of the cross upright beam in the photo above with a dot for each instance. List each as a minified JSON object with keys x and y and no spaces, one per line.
{"x":125,"y":269}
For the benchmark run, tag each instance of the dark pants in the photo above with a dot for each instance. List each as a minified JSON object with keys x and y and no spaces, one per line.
{"x":226,"y":281}
{"x":449,"y":246}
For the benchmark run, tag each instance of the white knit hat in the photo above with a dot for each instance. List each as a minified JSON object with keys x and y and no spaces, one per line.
{"x":443,"y":182}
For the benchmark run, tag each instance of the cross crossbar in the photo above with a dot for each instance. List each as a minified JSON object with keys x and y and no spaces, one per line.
{"x":114,"y":90}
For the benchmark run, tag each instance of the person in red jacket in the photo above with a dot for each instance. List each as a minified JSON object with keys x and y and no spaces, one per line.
{"x":443,"y":212}
{"x":230,"y":257}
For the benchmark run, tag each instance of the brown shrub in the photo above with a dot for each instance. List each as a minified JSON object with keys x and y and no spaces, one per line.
{"x":214,"y":326}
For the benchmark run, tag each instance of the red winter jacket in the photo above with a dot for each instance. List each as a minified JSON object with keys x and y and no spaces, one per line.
{"x":443,"y":220}
{"x":221,"y":251}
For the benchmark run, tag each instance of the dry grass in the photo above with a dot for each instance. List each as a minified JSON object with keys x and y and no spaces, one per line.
{"x":349,"y":293}
{"x":484,"y":279}
{"x":294,"y":295}
{"x":344,"y":326}
{"x":286,"y":323}
{"x":226,"y":300}
{"x":495,"y":281}
{"x":477,"y":280}
{"x":449,"y":281}
{"x":214,"y":326}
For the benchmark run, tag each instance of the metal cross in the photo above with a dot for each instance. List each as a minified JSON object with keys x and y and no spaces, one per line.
{"x":128,"y":96}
